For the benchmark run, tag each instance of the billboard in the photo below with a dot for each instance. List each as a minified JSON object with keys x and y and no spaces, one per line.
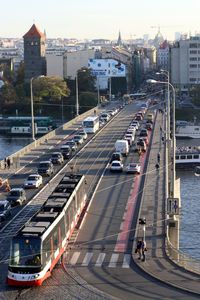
{"x":107,"y":68}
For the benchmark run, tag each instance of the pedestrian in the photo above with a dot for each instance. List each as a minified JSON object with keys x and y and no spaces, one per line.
{"x":160,"y":129}
{"x":158,"y":157}
{"x":95,"y":112}
{"x":5,"y":163}
{"x":162,"y":139}
{"x":8,"y":162}
{"x":157,"y":166}
{"x":138,"y":249}
{"x":143,"y":250}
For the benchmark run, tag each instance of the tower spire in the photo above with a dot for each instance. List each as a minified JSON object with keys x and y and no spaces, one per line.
{"x":119,"y":41}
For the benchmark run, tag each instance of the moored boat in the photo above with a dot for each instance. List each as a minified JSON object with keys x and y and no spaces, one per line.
{"x":187,"y":157}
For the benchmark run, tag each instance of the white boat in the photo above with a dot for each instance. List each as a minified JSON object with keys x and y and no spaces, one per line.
{"x":187,"y":157}
{"x":188,"y":131}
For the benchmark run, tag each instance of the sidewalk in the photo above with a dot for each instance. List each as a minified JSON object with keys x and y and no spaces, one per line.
{"x":157,"y":263}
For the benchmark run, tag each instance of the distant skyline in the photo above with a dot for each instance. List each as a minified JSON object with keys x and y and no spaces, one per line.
{"x":85,"y":19}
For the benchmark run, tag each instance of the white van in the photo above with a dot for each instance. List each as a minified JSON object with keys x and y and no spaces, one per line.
{"x":122,"y":146}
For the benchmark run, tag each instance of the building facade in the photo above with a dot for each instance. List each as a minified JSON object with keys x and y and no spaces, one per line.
{"x":34,"y":53}
{"x":185,"y":63}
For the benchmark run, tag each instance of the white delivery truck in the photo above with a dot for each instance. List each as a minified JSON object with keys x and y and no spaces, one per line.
{"x":122,"y":146}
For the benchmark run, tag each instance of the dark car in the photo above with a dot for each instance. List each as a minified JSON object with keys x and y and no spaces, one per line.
{"x":149,"y":126}
{"x":5,"y":210}
{"x":72,"y":144}
{"x":66,"y":151}
{"x":116,"y":156}
{"x":45,"y":168}
{"x":17,"y":196}
{"x":143,"y":132}
{"x":57,"y":158}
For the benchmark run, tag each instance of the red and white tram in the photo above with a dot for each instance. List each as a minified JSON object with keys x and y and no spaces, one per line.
{"x":38,"y":245}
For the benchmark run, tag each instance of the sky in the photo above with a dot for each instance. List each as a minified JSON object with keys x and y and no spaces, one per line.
{"x":90,"y":19}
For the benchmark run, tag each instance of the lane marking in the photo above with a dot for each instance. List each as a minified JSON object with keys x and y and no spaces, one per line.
{"x":100,"y":260}
{"x":87,"y":259}
{"x":113,"y":260}
{"x":126,"y":261}
{"x":75,"y":258}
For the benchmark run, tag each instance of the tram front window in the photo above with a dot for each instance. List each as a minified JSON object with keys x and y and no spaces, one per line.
{"x":25,"y":252}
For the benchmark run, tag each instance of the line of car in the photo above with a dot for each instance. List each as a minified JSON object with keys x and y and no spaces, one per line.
{"x":17,"y":196}
{"x":122,"y":147}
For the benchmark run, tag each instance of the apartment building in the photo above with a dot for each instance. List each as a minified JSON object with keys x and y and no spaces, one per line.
{"x":185,"y":63}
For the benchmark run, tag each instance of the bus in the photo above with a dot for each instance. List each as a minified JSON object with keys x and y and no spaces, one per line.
{"x":91,"y":124}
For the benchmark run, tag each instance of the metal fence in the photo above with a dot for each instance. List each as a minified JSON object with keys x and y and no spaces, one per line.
{"x":16,"y":156}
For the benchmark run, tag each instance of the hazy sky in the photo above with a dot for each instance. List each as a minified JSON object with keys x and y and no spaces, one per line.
{"x":99,"y":18}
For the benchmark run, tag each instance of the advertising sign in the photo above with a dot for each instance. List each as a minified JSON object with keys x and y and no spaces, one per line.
{"x":107,"y":68}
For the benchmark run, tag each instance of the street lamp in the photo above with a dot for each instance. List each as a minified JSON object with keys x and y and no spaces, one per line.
{"x":173,"y":155}
{"x":32,"y":110}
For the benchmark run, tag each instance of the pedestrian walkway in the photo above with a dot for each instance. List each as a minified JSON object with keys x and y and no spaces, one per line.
{"x":157,"y":262}
{"x":97,"y":259}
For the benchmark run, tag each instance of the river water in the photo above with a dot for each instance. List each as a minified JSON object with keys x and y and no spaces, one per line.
{"x":190,"y":207}
{"x":190,"y":194}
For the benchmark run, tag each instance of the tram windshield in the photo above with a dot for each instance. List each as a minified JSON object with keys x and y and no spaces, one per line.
{"x":25,"y":252}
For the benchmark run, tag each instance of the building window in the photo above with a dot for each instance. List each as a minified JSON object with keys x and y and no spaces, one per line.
{"x":193,"y":45}
{"x":193,"y":58}
{"x":193,"y":66}
{"x":193,"y":51}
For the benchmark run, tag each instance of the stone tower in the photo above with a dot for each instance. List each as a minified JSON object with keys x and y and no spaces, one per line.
{"x":34,"y":53}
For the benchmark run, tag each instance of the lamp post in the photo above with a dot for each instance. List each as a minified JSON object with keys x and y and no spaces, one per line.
{"x":98,"y":92}
{"x":77,"y":102}
{"x":173,"y":154}
{"x":32,"y":109}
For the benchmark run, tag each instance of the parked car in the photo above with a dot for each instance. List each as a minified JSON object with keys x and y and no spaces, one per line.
{"x":116,"y":165}
{"x":72,"y":144}
{"x":5,"y":209}
{"x":78,"y":139}
{"x":116,"y":156}
{"x":45,"y":168}
{"x":133,"y":168}
{"x":57,"y":158}
{"x":17,"y":196}
{"x":66,"y":151}
{"x":33,"y":181}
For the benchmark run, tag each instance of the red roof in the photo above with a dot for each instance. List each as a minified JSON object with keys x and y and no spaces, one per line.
{"x":33,"y":32}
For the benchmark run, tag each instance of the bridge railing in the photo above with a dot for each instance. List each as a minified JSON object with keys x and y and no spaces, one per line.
{"x":16,"y":156}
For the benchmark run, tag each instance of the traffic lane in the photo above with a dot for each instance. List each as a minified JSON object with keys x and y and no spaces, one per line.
{"x":102,"y":224}
{"x":130,"y":284}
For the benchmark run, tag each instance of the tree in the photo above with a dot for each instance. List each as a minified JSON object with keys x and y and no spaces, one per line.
{"x":87,"y":100}
{"x":51,"y":88}
{"x":86,"y":81}
{"x":7,"y":94}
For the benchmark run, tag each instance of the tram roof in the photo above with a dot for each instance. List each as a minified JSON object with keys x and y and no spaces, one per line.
{"x":52,"y":207}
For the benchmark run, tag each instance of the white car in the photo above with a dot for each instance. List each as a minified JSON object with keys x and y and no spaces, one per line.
{"x":116,"y":166}
{"x":33,"y":181}
{"x":133,"y":168}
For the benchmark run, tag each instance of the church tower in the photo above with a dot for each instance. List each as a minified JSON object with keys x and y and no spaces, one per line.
{"x":119,"y":40}
{"x":34,"y":53}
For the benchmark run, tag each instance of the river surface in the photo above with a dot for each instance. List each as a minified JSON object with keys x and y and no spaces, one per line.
{"x":190,"y":195}
{"x":190,"y":207}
